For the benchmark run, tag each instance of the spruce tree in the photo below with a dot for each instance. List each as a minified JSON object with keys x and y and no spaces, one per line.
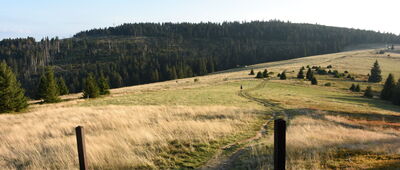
{"x":353,"y":87}
{"x":375,"y":76}
{"x":48,"y":89}
{"x":358,"y":88}
{"x":91,"y":90}
{"x":265,"y":73}
{"x":314,"y":81}
{"x":12,"y":98}
{"x":300,"y":75}
{"x":368,"y":92}
{"x":396,"y":94}
{"x":41,"y":92}
{"x":104,"y":87}
{"x":387,"y":91}
{"x":309,"y":74}
{"x":62,"y":87}
{"x":251,"y":72}
{"x":283,"y":76}
{"x":259,"y":75}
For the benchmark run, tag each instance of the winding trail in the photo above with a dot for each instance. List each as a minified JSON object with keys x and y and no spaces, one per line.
{"x":221,"y":161}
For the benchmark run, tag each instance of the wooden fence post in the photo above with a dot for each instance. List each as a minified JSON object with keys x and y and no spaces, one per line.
{"x":279,"y":144}
{"x":80,"y":139}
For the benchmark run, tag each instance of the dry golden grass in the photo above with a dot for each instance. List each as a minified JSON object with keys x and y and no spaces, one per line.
{"x":319,"y":140}
{"x":313,"y":142}
{"x":117,"y":136}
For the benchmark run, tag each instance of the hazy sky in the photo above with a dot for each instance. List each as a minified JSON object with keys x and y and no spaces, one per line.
{"x":63,"y":18}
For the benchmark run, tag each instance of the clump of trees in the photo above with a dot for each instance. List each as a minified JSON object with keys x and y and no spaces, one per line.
{"x":93,"y":88}
{"x":375,"y":75}
{"x":12,"y":97}
{"x":264,"y":74}
{"x":355,"y":88}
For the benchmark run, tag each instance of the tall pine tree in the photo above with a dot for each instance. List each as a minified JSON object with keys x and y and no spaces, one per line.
{"x":12,"y":98}
{"x":375,"y":76}
{"x":388,"y":88}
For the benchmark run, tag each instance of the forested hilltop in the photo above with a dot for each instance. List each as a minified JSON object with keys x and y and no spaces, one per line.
{"x":141,"y":53}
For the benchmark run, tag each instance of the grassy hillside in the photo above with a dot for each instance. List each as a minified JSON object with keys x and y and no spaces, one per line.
{"x":209,"y":123}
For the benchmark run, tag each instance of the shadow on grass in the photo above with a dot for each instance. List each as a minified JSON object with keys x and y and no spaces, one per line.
{"x":388,"y":166}
{"x":386,"y":105}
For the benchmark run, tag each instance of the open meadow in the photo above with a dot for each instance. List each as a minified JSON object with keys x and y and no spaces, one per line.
{"x":207,"y":123}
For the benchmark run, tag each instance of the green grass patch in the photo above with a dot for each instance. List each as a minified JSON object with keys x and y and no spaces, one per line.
{"x":181,"y":155}
{"x":222,"y":94}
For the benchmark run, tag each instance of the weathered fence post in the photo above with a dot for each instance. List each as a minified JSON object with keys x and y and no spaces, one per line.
{"x":279,"y":144}
{"x":80,"y":139}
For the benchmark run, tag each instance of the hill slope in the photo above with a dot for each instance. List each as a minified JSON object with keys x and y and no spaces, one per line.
{"x":142,"y":53}
{"x":208,"y":123}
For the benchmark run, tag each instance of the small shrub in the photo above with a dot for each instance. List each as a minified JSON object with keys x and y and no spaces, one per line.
{"x":259,"y":75}
{"x":314,"y":81}
{"x":196,"y":80}
{"x":328,"y":84}
{"x":322,"y":72}
{"x":353,"y":87}
{"x":358,"y":88}
{"x":265,"y":73}
{"x":368,"y":92}
{"x":283,"y":76}
{"x":251,"y":72}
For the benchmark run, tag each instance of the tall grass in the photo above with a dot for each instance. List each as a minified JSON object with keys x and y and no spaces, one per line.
{"x":117,"y":136}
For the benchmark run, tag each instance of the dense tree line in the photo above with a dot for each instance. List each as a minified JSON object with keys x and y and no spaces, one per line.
{"x":141,"y":53}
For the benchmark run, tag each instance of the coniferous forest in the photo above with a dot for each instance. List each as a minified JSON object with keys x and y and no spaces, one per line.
{"x":141,"y":53}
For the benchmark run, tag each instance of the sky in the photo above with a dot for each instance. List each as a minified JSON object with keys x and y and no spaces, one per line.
{"x":64,"y":18}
